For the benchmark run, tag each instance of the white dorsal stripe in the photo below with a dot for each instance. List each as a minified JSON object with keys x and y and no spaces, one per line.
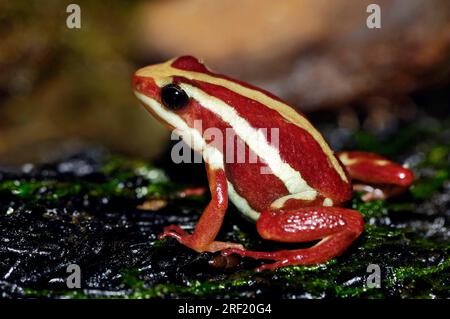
{"x":254,"y":138}
{"x":162,"y":72}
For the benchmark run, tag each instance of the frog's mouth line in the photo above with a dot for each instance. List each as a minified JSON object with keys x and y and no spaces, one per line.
{"x":174,"y":122}
{"x":149,"y":105}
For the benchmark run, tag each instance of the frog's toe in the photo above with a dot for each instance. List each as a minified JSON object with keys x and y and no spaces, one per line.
{"x":171,"y":234}
{"x":175,"y":229}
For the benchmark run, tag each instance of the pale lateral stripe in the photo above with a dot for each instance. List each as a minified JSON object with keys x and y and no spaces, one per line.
{"x":254,"y":138}
{"x":211,"y":155}
{"x":242,"y":204}
{"x":346,"y":160}
{"x":327,"y":202}
{"x":279,"y":203}
{"x":191,"y":136}
{"x":161,"y":72}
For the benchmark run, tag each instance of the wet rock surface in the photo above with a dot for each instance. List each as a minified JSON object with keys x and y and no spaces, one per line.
{"x":103,"y":212}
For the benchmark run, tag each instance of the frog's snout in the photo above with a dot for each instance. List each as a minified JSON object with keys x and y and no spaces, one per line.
{"x":145,"y":85}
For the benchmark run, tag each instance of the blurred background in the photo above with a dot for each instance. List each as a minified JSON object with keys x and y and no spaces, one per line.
{"x":64,"y":88}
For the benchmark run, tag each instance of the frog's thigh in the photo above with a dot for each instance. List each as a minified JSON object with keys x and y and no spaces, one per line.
{"x":337,"y":227}
{"x":308,"y":223}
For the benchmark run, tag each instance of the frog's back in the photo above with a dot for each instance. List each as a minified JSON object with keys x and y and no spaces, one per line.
{"x":299,"y":157}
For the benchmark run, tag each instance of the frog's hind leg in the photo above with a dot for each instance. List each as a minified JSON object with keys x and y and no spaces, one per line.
{"x":335,"y":227}
{"x":379,"y":177}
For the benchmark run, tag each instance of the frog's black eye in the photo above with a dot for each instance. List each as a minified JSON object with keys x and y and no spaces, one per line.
{"x":174,"y":97}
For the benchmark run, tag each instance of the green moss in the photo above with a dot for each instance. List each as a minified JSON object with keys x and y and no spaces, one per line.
{"x":123,"y":168}
{"x":438,"y":161}
{"x":425,"y":187}
{"x":372,"y":209}
{"x":45,"y":293}
{"x":404,"y":273}
{"x":118,"y":171}
{"x":200,"y":289}
{"x":365,"y":141}
{"x":438,"y":157}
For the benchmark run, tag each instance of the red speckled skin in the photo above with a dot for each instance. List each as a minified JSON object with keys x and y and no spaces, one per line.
{"x":297,"y":220}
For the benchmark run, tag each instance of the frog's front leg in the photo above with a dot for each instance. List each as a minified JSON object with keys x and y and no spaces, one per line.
{"x":379,"y":177}
{"x":210,"y":222}
{"x":335,"y":227}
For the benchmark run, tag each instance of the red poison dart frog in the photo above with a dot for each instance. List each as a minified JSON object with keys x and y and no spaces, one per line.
{"x":294,"y":191}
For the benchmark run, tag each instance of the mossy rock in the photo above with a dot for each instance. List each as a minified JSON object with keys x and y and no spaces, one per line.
{"x":103,"y":212}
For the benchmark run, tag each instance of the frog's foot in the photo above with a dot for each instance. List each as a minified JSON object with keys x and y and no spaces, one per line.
{"x":173,"y":231}
{"x":309,"y":256}
{"x":336,"y":227}
{"x":190,"y":241}
{"x":380,"y":177}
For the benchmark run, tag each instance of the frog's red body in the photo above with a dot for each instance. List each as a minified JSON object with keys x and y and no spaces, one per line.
{"x":296,"y":198}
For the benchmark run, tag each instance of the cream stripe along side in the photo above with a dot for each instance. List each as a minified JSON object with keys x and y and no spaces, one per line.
{"x":195,"y":141}
{"x":191,"y":136}
{"x":346,"y":160}
{"x":254,"y":138}
{"x":242,"y":204}
{"x":165,"y":70}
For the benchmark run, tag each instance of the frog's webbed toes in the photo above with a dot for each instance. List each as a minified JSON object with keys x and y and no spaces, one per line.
{"x":188,"y":240}
{"x":175,"y":229}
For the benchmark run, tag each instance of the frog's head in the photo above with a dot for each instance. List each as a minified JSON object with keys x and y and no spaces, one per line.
{"x":164,"y":90}
{"x":185,"y":95}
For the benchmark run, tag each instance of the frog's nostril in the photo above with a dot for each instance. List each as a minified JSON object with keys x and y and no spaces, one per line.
{"x":136,"y":82}
{"x":145,"y":85}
